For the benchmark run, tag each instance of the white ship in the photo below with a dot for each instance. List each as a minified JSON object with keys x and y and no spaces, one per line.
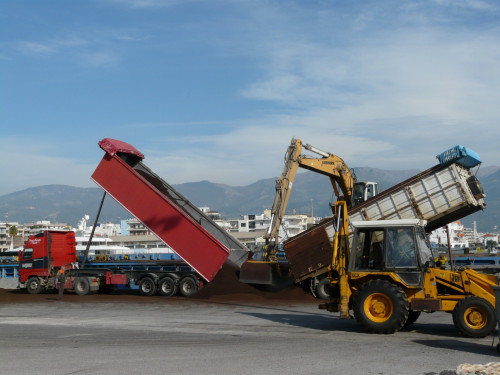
{"x":100,"y":246}
{"x":103,"y":247}
{"x":458,"y":240}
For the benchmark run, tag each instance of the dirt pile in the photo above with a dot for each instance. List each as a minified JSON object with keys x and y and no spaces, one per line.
{"x":227,"y":287}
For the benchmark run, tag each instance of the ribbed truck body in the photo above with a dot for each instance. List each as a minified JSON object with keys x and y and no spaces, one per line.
{"x":174,"y":219}
{"x":440,"y":195}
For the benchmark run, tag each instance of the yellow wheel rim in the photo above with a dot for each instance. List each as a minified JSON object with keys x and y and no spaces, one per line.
{"x":378,"y":307}
{"x":475,"y":318}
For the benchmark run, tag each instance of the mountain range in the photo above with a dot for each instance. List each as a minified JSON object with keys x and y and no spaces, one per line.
{"x":311,"y":194}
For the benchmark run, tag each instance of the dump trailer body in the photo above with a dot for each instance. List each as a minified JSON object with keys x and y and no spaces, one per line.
{"x":439,"y":195}
{"x":174,"y":219}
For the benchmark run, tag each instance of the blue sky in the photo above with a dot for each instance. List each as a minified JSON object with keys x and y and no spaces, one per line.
{"x":215,"y":90}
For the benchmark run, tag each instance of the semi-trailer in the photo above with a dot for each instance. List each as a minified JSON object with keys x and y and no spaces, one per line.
{"x":201,"y":244}
{"x":48,"y":251}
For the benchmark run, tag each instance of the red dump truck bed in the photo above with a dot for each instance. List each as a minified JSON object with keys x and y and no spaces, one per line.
{"x":177,"y":222}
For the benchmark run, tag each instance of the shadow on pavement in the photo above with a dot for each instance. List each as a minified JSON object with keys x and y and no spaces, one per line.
{"x":311,"y":321}
{"x":462,"y":346}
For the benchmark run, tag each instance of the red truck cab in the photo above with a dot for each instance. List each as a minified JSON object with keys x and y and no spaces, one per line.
{"x":47,"y":252}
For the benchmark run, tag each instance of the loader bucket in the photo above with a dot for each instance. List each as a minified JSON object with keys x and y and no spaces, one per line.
{"x":272,"y":275}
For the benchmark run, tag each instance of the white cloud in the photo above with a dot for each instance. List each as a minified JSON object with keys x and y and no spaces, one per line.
{"x":94,"y":48}
{"x":50,"y":46}
{"x":386,"y":87}
{"x":97,"y":59}
{"x":152,"y":3}
{"x":468,"y":4}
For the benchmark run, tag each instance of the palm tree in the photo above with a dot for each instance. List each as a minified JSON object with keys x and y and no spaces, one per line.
{"x":13,"y":231}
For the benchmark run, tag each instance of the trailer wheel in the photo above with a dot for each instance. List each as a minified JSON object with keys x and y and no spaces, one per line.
{"x":81,"y":286}
{"x":474,"y":317}
{"x":34,"y":285}
{"x":381,"y":307}
{"x":147,"y":286}
{"x":323,"y":289}
{"x":167,"y":287}
{"x":188,"y":286}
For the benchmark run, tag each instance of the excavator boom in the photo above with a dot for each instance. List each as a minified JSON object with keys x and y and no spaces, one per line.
{"x":344,"y":186}
{"x":332,"y":166}
{"x":284,"y":188}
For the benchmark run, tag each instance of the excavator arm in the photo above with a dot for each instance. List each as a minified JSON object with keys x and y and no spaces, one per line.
{"x":284,"y":188}
{"x":330,"y":165}
{"x":268,"y":270}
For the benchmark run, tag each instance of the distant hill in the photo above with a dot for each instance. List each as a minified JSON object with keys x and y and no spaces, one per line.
{"x":58,"y":203}
{"x":311,"y":194}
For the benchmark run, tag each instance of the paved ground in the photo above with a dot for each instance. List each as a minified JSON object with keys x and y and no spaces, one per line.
{"x":153,"y":335}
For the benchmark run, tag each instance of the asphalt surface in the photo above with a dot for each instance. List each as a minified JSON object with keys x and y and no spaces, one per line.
{"x":131,"y":334}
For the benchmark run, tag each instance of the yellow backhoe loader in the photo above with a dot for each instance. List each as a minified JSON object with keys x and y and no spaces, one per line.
{"x":386,"y":274}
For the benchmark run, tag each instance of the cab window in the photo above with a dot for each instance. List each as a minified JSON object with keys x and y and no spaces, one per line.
{"x":368,"y":250}
{"x":28,"y":253}
{"x":425,"y":250}
{"x":401,"y":245}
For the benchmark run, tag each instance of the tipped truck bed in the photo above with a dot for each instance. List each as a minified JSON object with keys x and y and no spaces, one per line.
{"x":177,"y":222}
{"x":439,"y":195}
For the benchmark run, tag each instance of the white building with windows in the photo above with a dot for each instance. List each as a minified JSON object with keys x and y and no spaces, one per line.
{"x":6,"y":241}
{"x":291,"y":225}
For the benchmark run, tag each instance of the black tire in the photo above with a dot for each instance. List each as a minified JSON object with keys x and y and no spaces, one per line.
{"x":381,"y":307}
{"x":188,"y":286}
{"x":412,"y":317}
{"x":167,"y":287}
{"x":147,"y":286}
{"x":474,"y":317}
{"x":323,"y":289}
{"x":34,"y":285}
{"x":81,"y":286}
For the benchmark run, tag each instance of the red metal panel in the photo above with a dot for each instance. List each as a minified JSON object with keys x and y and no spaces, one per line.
{"x":112,"y":146}
{"x":179,"y":231}
{"x":115,"y":279}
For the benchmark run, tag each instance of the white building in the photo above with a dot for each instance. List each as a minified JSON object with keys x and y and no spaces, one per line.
{"x":5,"y":239}
{"x":27,"y":230}
{"x":291,"y":225}
{"x":102,"y":230}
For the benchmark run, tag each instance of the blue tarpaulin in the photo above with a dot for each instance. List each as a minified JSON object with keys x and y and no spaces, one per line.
{"x":460,"y":155}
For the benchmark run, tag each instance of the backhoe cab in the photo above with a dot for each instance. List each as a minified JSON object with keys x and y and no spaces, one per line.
{"x":392,"y":277}
{"x":363,"y":191}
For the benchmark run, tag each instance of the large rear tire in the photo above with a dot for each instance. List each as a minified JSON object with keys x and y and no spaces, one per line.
{"x":167,"y":287}
{"x":188,"y":286}
{"x":381,"y":307}
{"x":323,"y":289}
{"x":147,"y":286}
{"x":474,"y":317}
{"x":34,"y":285}
{"x":81,"y":286}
